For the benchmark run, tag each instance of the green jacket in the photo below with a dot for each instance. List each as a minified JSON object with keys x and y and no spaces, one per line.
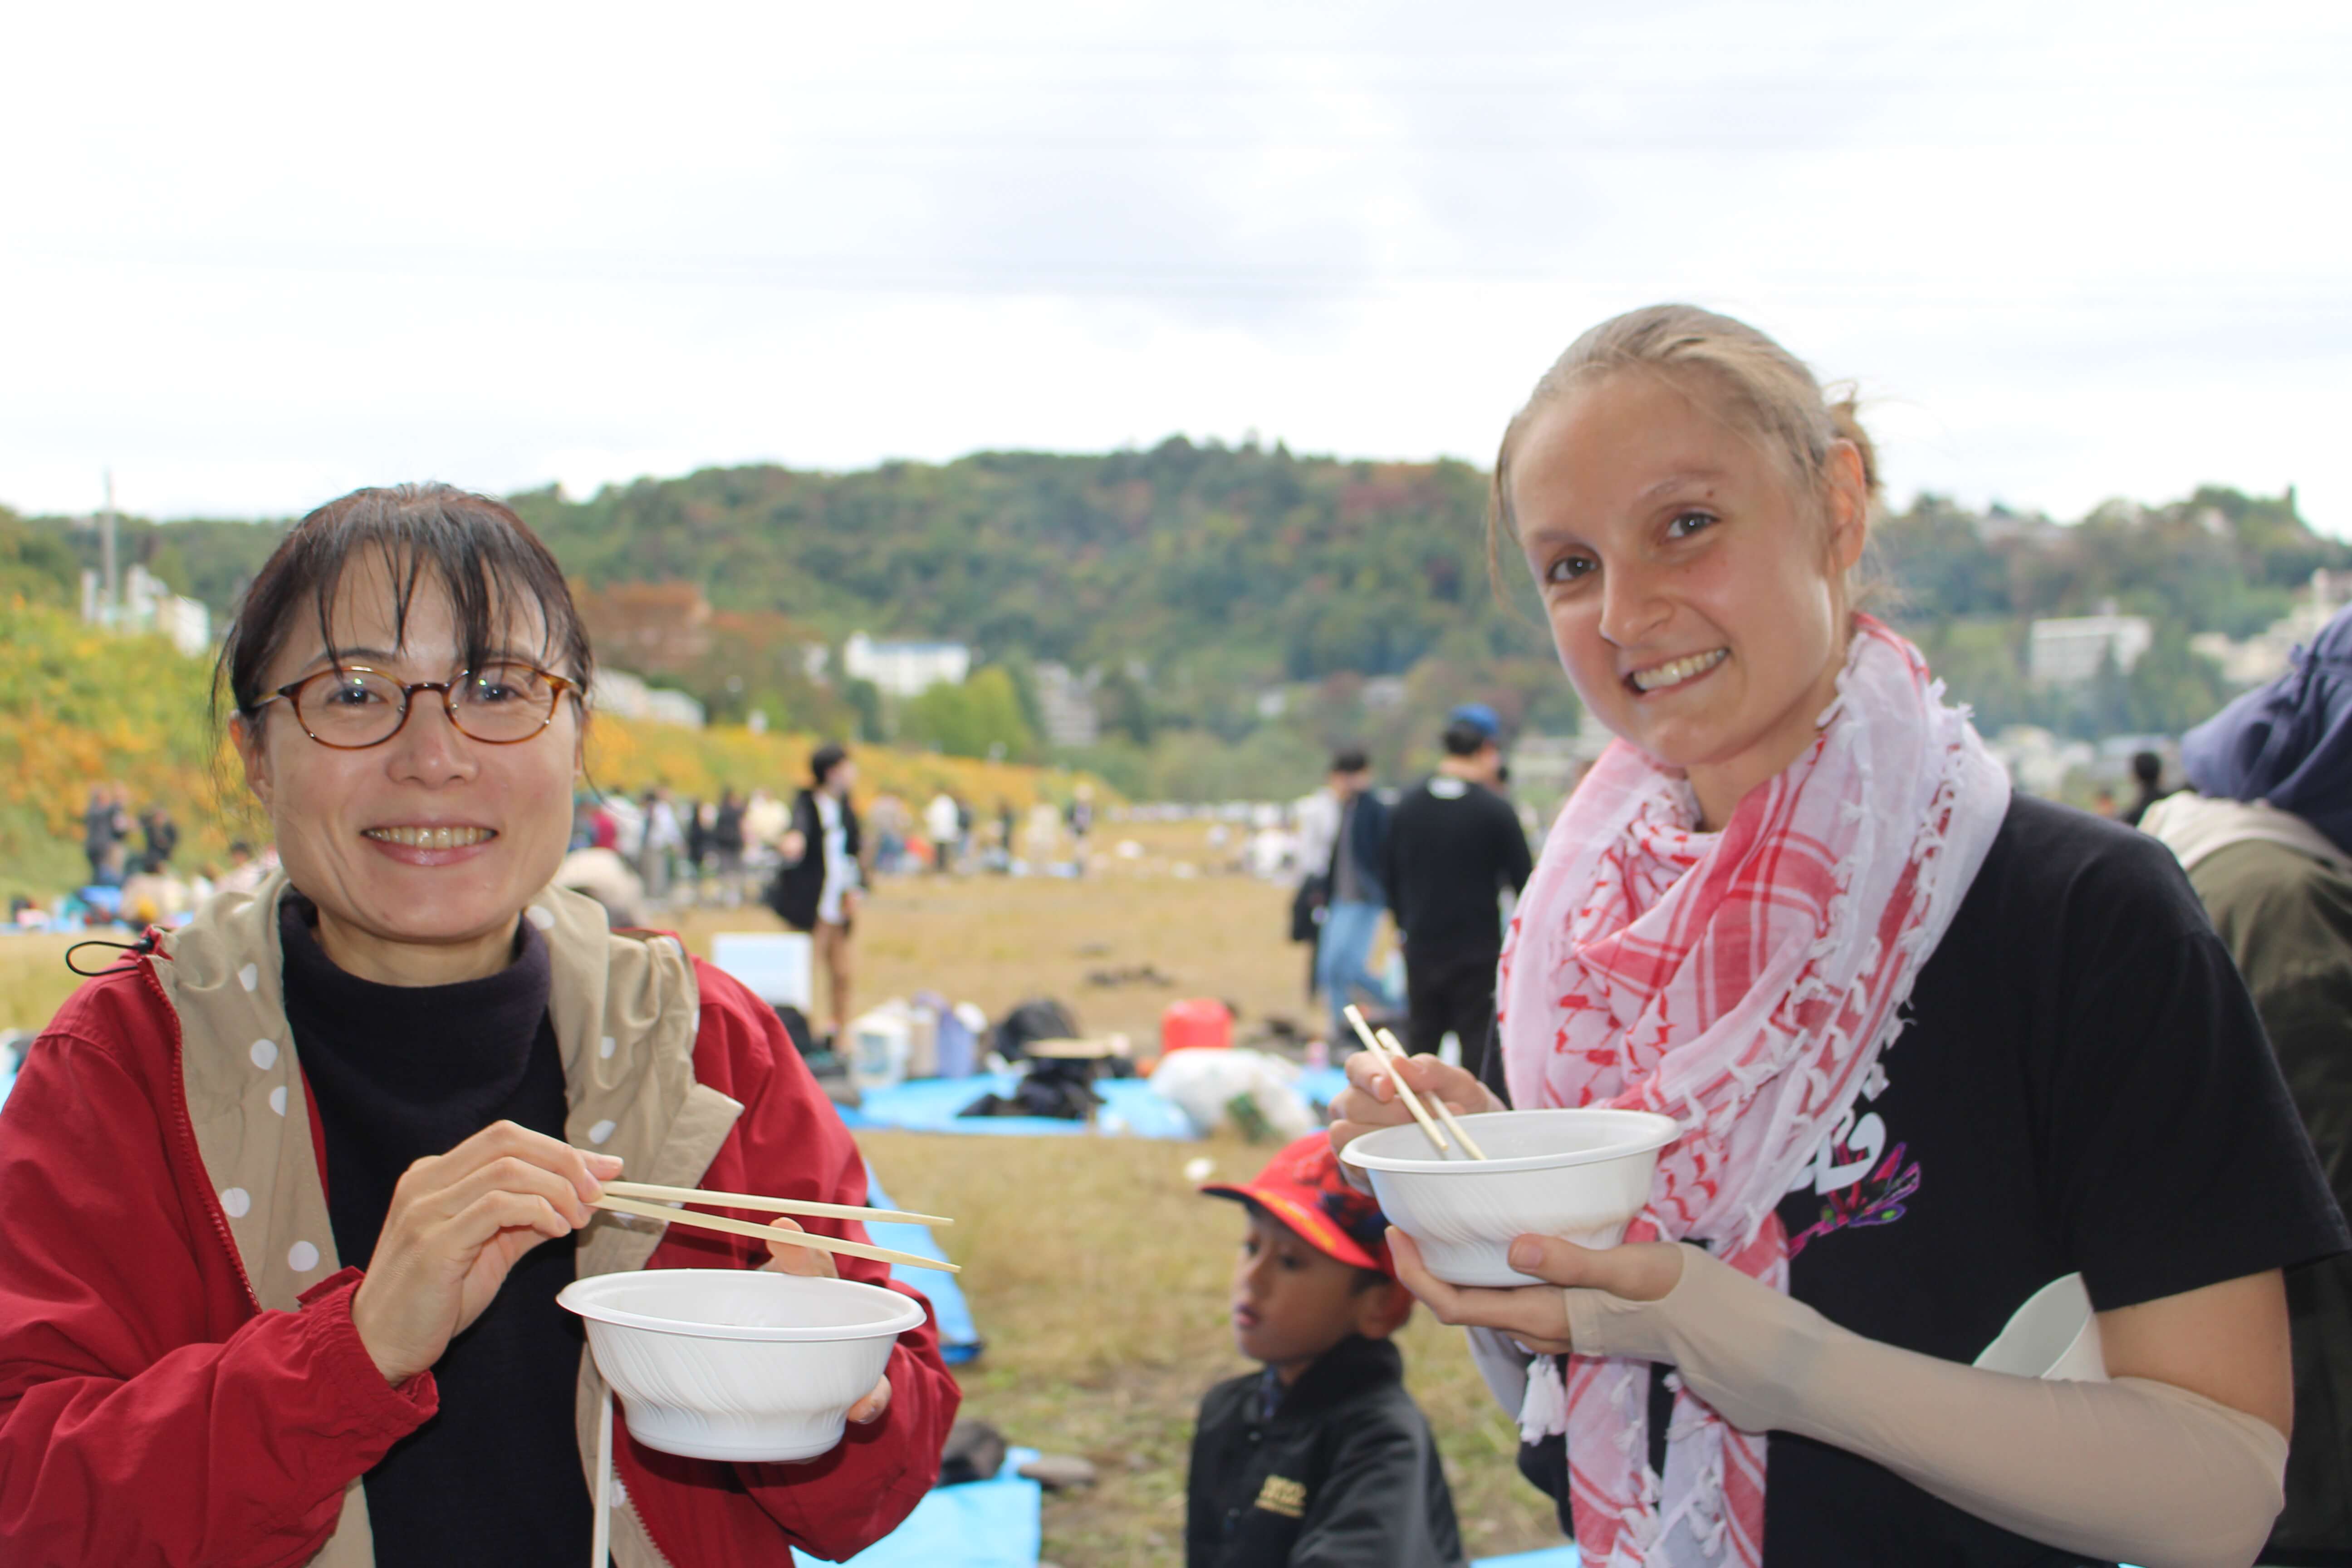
{"x":2287,"y":919}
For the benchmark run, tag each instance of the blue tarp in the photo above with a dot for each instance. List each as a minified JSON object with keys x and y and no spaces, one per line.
{"x":1321,"y":1085}
{"x":958,"y":1336}
{"x":980,"y":1524}
{"x":929,"y":1105}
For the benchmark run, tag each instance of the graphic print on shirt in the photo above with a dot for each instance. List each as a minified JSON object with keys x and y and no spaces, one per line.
{"x":1286,"y":1497}
{"x":1860,"y":1180}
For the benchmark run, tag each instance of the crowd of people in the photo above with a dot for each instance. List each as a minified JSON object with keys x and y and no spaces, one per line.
{"x":1930,"y":1047}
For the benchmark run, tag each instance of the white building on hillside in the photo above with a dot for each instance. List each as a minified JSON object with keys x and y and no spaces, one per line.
{"x":626,"y":696}
{"x":1066,"y":704}
{"x":148,"y":604}
{"x":905,"y":668}
{"x":2265,"y":655}
{"x":2069,"y":651}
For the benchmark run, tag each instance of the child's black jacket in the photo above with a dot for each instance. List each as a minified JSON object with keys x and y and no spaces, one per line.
{"x":1344,"y":1476}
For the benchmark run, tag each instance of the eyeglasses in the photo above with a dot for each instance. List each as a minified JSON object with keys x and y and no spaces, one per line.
{"x":352,"y":708}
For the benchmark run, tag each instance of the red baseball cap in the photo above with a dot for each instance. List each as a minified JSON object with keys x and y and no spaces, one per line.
{"x":1303,"y":1188}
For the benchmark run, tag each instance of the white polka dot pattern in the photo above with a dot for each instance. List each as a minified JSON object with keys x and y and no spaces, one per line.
{"x":236,"y":1203}
{"x":277,"y":1100}
{"x":601,"y":1132}
{"x":264,"y":1054}
{"x":606,"y":1047}
{"x":301,"y":1257}
{"x":543,"y":917}
{"x":249,"y":976}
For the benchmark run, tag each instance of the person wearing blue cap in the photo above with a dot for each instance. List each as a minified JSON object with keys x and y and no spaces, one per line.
{"x":1454,"y":846}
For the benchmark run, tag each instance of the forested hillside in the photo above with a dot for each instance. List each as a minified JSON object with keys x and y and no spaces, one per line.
{"x":1240,"y":606}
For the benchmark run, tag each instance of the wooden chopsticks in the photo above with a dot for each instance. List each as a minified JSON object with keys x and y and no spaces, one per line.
{"x":1397,"y":1052}
{"x":767,"y":1205}
{"x":764,"y":1232}
{"x":1411,"y":1100}
{"x":1385,"y":1047}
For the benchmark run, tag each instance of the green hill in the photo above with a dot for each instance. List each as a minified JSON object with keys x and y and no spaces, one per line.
{"x":1246,"y":607}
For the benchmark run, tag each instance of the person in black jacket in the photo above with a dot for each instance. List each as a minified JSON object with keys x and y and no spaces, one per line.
{"x":1454,"y":846}
{"x":1321,"y":1457}
{"x":817,"y":889}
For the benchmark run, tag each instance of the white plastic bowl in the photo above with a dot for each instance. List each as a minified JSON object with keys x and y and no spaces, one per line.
{"x":1578,"y":1174}
{"x":741,"y":1364}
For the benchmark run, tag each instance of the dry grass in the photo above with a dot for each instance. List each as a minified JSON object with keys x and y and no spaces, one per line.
{"x":995,"y":939}
{"x":1097,"y":1274}
{"x":34,"y":979}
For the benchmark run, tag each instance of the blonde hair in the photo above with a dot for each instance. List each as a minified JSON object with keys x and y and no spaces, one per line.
{"x":1740,"y":374}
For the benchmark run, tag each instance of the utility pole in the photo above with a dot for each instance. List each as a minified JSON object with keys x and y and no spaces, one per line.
{"x":109,"y":611}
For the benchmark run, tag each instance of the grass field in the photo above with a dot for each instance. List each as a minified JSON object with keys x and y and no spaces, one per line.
{"x":1097,"y":1274}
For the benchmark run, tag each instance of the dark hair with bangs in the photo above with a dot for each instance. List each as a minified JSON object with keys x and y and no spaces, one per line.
{"x":485,"y":555}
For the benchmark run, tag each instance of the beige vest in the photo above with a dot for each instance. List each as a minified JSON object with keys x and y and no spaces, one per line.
{"x":626,"y":1011}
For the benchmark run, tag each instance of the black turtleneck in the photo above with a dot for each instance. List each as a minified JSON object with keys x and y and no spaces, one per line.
{"x":400,"y":1073}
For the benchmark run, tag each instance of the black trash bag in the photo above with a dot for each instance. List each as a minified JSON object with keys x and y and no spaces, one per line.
{"x":1051,"y":1087}
{"x":827,"y":1066}
{"x":974,"y":1452}
{"x":796,"y":1025}
{"x":1039,"y":1018}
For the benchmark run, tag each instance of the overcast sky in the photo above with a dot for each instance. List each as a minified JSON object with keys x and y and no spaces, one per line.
{"x":253,"y":257}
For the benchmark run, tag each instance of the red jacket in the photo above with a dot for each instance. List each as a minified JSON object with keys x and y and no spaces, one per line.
{"x":151,"y":1412}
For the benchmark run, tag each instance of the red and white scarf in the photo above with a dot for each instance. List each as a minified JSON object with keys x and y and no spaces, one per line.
{"x":1743,"y":982}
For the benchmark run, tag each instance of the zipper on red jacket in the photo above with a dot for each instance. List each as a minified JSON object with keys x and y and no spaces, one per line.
{"x":184,"y":1125}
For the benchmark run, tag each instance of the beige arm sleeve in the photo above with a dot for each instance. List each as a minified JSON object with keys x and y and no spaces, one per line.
{"x":2132,"y":1469}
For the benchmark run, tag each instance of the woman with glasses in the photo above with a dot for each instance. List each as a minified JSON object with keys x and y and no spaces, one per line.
{"x":272,"y":1286}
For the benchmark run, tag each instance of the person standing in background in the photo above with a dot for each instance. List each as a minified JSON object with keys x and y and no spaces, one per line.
{"x":1317,"y":820}
{"x":818,"y":888}
{"x":727,"y":839}
{"x":662,"y":839}
{"x":939,"y":826}
{"x":105,"y":825}
{"x":1455,"y":848}
{"x":162,"y":839}
{"x":699,"y":816}
{"x":2147,"y":773}
{"x":1082,"y":825}
{"x":1352,"y":917}
{"x":2266,"y":839}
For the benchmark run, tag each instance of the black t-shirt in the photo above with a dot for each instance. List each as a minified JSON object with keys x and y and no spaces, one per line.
{"x":400,"y":1073}
{"x":1453,"y":847}
{"x":2083,"y":1086}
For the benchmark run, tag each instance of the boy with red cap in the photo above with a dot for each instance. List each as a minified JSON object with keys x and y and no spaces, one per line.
{"x":1322,"y":1458}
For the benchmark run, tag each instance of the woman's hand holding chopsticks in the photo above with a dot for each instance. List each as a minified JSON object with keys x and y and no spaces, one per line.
{"x":1371,"y":1101}
{"x":456,"y":1224}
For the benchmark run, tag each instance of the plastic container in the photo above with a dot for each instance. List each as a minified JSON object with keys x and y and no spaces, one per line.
{"x":740,"y":1364}
{"x":1196,"y":1023}
{"x":923,"y":1042}
{"x":878,"y":1044}
{"x":961,"y":1029}
{"x":2056,"y":1335}
{"x":1580,"y":1174}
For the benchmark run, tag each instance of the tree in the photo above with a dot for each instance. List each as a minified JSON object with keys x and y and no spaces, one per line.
{"x":981,"y":718}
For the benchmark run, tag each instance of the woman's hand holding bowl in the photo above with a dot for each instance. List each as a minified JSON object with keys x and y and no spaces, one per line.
{"x":1371,"y":1101}
{"x":783,"y":1257}
{"x":456,"y":1224}
{"x":1537,"y":1315}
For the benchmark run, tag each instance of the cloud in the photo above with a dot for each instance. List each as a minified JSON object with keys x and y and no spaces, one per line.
{"x":258,"y":257}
